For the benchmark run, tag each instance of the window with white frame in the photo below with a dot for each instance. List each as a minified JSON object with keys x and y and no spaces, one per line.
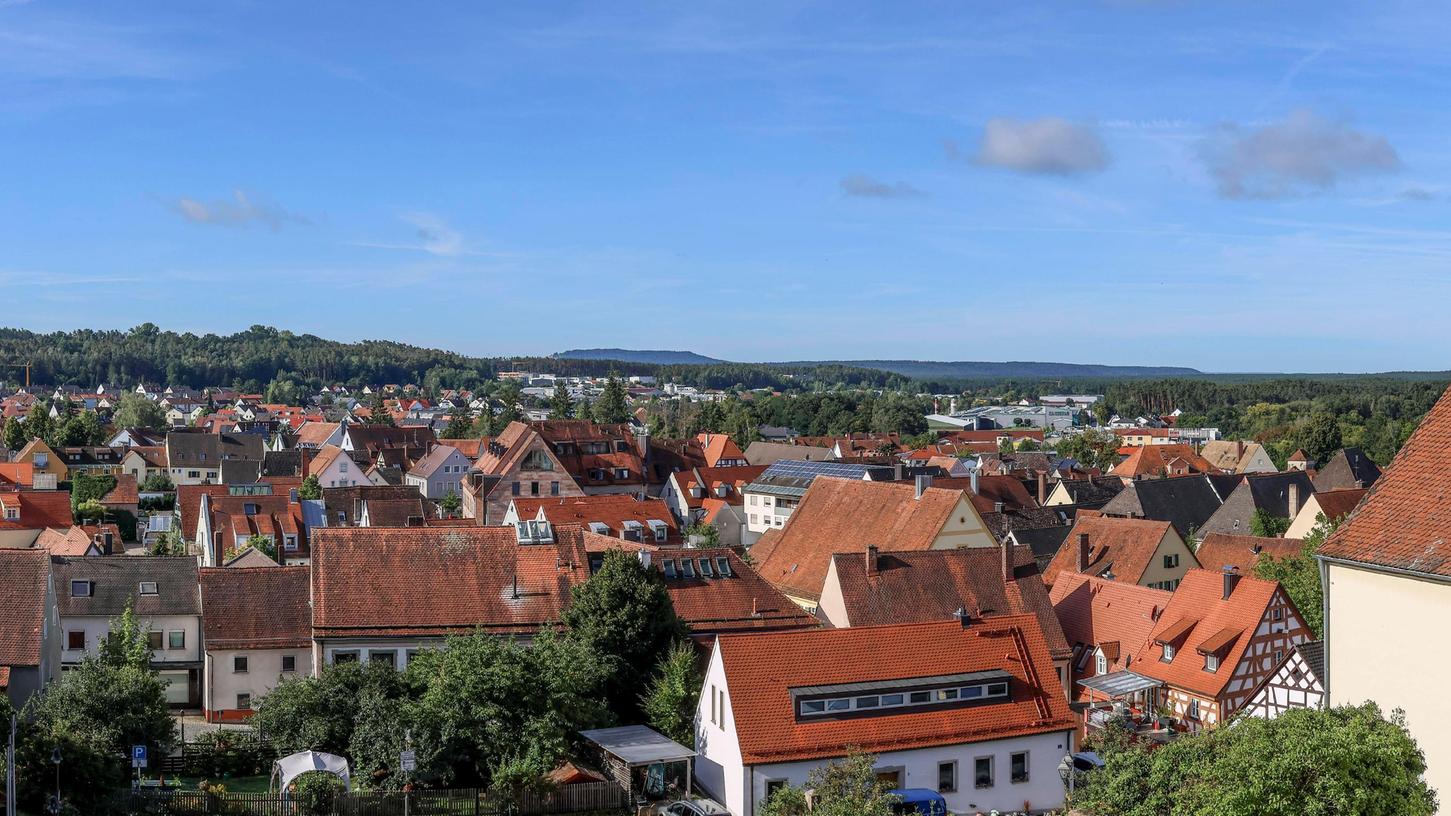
{"x":1100,"y":665}
{"x":1168,"y":652}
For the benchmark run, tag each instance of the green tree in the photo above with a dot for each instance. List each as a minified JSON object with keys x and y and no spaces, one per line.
{"x":158,"y":482}
{"x":167,"y":543}
{"x":90,"y":510}
{"x":14,"y":436}
{"x":460,"y":426}
{"x":1345,"y":760}
{"x":311,"y":488}
{"x":86,"y":487}
{"x":320,"y":713}
{"x":845,"y":787}
{"x":136,"y":411}
{"x":707,"y":533}
{"x":38,"y":424}
{"x":450,"y":503}
{"x":282,"y":392}
{"x":263,"y":544}
{"x":624,"y":613}
{"x":1266,"y":524}
{"x":127,"y":642}
{"x":71,"y":431}
{"x":560,"y":405}
{"x":612,"y":405}
{"x":1320,"y":436}
{"x":669,"y":704}
{"x":1300,"y":574}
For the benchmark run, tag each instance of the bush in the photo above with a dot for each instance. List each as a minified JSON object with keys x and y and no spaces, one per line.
{"x":229,"y":753}
{"x":315,"y":791}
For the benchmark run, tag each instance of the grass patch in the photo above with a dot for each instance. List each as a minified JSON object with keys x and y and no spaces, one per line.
{"x":235,"y":784}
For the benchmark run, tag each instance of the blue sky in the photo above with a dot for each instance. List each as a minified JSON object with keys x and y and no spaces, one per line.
{"x":1232,"y":186}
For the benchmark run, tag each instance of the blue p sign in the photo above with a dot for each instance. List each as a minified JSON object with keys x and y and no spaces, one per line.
{"x":138,"y":752}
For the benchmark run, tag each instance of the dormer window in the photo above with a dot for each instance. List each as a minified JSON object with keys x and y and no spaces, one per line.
{"x":622,"y":473}
{"x":1211,"y":662}
{"x":1100,"y":664}
{"x":1168,"y":652}
{"x":12,"y":513}
{"x":147,"y":588}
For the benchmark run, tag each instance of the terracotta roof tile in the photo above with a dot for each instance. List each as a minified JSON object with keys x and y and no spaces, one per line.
{"x":611,"y":509}
{"x":1159,"y":460}
{"x":125,"y":491}
{"x":38,"y":509}
{"x":761,"y":670}
{"x":25,"y":574}
{"x":715,"y":605}
{"x":1095,"y":611}
{"x":1220,"y":550}
{"x":1124,"y":546}
{"x":1337,"y":503}
{"x":256,"y":607}
{"x":845,"y":515}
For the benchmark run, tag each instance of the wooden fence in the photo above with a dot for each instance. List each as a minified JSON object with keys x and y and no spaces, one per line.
{"x":587,"y":797}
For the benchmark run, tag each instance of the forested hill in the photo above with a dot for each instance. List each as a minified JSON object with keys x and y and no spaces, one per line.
{"x":929,"y":370}
{"x":640,"y":356}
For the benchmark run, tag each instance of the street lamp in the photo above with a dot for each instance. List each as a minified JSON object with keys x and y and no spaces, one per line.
{"x":55,"y":758}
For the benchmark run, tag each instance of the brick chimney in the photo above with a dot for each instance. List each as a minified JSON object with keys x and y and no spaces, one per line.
{"x":1231,"y":578}
{"x":1007,"y":562}
{"x":1294,"y":499}
{"x":1042,"y":488}
{"x":872,"y":555}
{"x":1083,"y":552}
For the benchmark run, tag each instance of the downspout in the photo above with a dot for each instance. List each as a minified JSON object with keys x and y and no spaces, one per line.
{"x":751,"y":808}
{"x":1324,"y":567}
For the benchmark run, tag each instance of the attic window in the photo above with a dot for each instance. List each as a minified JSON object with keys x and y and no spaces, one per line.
{"x":80,"y":589}
{"x":669,"y":566}
{"x":687,"y":568}
{"x":705,"y":568}
{"x":723,"y":567}
{"x":147,"y":588}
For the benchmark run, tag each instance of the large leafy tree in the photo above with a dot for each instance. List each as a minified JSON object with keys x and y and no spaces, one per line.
{"x":669,"y":705}
{"x":135,"y":411}
{"x":624,"y":614}
{"x":846,"y":787}
{"x":1346,"y":760}
{"x":14,"y":435}
{"x":320,"y":713}
{"x":1320,"y":436}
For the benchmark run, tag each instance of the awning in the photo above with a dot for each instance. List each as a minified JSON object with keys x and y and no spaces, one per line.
{"x":638,"y":745}
{"x":1119,"y":683}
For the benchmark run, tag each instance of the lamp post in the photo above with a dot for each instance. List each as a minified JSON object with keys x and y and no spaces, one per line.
{"x":55,"y":758}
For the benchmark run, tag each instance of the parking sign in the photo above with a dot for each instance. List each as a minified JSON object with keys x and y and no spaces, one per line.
{"x":138,"y":756}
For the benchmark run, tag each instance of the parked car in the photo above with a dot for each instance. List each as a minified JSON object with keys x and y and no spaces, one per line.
{"x":919,"y":802}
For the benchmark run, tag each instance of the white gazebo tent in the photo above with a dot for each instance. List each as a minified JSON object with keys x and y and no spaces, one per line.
{"x":290,"y":767}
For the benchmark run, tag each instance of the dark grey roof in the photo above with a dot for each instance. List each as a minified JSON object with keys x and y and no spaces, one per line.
{"x":192,"y":449}
{"x":1269,"y":492}
{"x":282,"y":463}
{"x":637,"y":744}
{"x":1313,"y":653}
{"x":1043,"y":541}
{"x":1093,"y":493}
{"x":1186,"y":502}
{"x":1027,"y":518}
{"x":1345,"y":469}
{"x":117,"y":578}
{"x":792,"y":477}
{"x":241,"y":445}
{"x":241,"y":471}
{"x":766,"y":453}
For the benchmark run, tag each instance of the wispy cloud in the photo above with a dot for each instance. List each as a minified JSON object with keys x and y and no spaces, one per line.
{"x":238,"y":211}
{"x":861,"y":186}
{"x":1049,"y":146}
{"x":431,"y":234}
{"x":1302,"y":153}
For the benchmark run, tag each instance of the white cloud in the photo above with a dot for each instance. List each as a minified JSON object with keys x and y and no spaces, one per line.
{"x":434,"y":236}
{"x":860,"y":186}
{"x":1302,"y":153}
{"x":238,"y":211}
{"x":1048,"y":146}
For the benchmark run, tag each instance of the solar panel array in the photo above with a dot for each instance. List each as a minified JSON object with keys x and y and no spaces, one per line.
{"x":802,"y":471}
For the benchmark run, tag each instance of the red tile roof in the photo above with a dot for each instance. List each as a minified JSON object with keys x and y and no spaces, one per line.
{"x":1337,"y":503}
{"x":125,"y":491}
{"x":1161,"y":460}
{"x":1202,"y":621}
{"x":38,"y":509}
{"x":72,"y":541}
{"x":1219,"y":550}
{"x":21,"y":474}
{"x":719,"y":446}
{"x":916,"y":587}
{"x":742,"y":602}
{"x":1405,"y":521}
{"x":1098,"y":612}
{"x":25,"y":574}
{"x":1122,"y":545}
{"x":470,"y":448}
{"x":762,"y":669}
{"x":412,"y":582}
{"x":611,"y":509}
{"x":256,"y":607}
{"x":845,"y":515}
{"x":710,"y":478}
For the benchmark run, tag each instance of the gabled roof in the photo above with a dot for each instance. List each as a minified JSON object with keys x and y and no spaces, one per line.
{"x":1337,"y":503}
{"x":434,"y":459}
{"x":1348,"y":468}
{"x":125,"y":491}
{"x":1009,"y":490}
{"x":153,"y":455}
{"x":718,"y":446}
{"x":20,"y":474}
{"x":1270,"y":492}
{"x":709,"y":479}
{"x":1124,"y":547}
{"x":1405,"y":521}
{"x":470,"y":448}
{"x":117,"y":579}
{"x":1201,"y":621}
{"x":73,"y":541}
{"x":25,"y":575}
{"x":762,"y":670}
{"x":1184,"y":501}
{"x":315,"y":434}
{"x":436,"y":581}
{"x":917,"y":587}
{"x":844,"y":515}
{"x":1230,"y":455}
{"x":1159,"y":460}
{"x":1220,"y":550}
{"x":738,"y":601}
{"x":255,"y":607}
{"x":1092,"y":492}
{"x":326,"y":456}
{"x":611,"y":509}
{"x":38,"y":509}
{"x":766,"y":453}
{"x":372,"y":438}
{"x":1095,"y":611}
{"x":348,"y":501}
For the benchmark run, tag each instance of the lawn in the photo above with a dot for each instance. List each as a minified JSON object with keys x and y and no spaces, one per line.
{"x":235,"y":784}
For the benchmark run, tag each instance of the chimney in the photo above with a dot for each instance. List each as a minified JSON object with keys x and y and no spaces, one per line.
{"x":997,"y":507}
{"x":1294,"y":499}
{"x":962,"y":616}
{"x":974,"y":479}
{"x":1083,"y":552}
{"x":1007,"y":562}
{"x":899,"y":472}
{"x":1231,"y":577}
{"x":755,"y":611}
{"x":923,"y":482}
{"x":1238,"y":450}
{"x":1042,"y":488}
{"x":872,"y":553}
